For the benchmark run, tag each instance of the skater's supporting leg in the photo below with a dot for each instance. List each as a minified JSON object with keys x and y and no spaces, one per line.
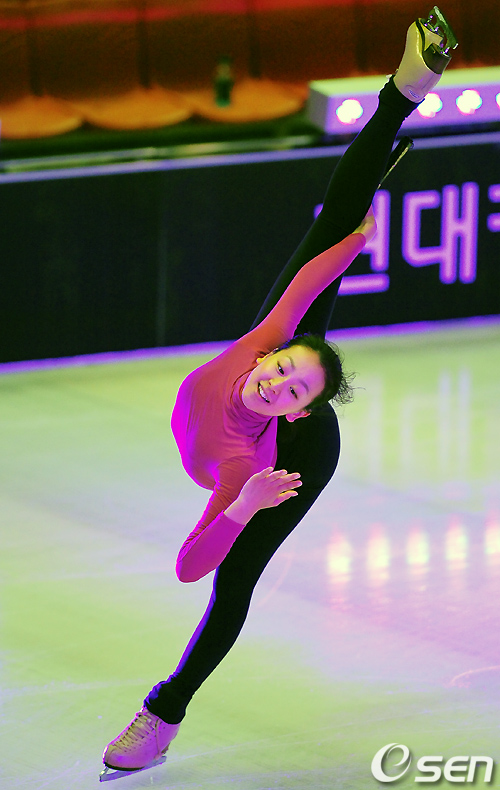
{"x":313,"y":447}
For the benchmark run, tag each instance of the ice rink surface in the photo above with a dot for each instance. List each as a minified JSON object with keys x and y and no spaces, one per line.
{"x":376,"y":623}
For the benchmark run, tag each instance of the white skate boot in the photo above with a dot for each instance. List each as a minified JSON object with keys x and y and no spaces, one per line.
{"x":142,"y":744}
{"x":429,"y":43}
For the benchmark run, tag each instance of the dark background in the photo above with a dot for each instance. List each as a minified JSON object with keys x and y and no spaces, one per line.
{"x":175,"y":256}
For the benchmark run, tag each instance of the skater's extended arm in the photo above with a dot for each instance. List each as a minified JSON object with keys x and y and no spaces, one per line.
{"x":316,"y":275}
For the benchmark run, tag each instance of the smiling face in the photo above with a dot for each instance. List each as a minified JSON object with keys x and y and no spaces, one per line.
{"x":284,"y":382}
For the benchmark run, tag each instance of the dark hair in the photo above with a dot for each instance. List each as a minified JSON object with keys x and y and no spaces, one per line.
{"x":337,"y":383}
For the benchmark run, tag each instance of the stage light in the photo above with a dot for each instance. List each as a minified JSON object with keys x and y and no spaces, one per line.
{"x":430,"y":106}
{"x":469,"y":101}
{"x":349,"y":111}
{"x":341,"y":105}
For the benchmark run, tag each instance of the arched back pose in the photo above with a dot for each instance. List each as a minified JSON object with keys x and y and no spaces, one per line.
{"x":241,"y":416}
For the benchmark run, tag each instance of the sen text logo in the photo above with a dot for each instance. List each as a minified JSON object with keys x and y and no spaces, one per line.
{"x":431,"y":768}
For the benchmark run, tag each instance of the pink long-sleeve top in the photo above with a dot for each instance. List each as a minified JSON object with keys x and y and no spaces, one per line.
{"x":222,"y":443}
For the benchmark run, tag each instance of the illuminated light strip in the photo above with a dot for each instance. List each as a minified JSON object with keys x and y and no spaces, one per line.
{"x":364,"y":284}
{"x":191,"y":160}
{"x":479,"y":84}
{"x":212,"y":349}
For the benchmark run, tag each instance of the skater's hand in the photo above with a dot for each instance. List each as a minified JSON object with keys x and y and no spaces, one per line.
{"x":262,"y":490}
{"x":369,"y":226}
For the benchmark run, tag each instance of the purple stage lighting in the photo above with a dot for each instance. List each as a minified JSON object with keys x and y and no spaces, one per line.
{"x":430,"y":106}
{"x":469,"y":102}
{"x":349,"y":111}
{"x":462,"y":95}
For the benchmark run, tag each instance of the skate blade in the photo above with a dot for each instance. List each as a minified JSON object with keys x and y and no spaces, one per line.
{"x":402,"y":148}
{"x":108,"y":774}
{"x":438,"y":23}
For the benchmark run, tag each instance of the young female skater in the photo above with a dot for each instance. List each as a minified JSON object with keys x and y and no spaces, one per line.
{"x":236,"y":419}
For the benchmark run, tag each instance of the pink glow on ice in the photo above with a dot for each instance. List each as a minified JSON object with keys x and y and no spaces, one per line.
{"x":456,"y":545}
{"x":492,"y":541}
{"x":417,"y":549}
{"x":339,"y":558}
{"x":378,"y":555}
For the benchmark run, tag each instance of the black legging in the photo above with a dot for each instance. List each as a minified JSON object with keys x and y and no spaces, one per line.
{"x":310,"y":446}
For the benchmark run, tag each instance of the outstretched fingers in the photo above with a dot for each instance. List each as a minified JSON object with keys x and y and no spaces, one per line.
{"x":268,"y":488}
{"x":285,"y":485}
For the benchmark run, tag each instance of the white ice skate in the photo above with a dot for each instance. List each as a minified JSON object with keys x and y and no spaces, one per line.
{"x":140,"y":746}
{"x":429,"y":44}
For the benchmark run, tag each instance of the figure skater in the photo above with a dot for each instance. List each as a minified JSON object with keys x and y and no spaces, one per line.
{"x":262,"y":407}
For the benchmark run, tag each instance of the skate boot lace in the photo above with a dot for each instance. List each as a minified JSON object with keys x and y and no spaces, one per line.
{"x":140,"y":729}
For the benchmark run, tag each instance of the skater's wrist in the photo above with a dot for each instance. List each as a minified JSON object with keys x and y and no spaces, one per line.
{"x":240,"y":511}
